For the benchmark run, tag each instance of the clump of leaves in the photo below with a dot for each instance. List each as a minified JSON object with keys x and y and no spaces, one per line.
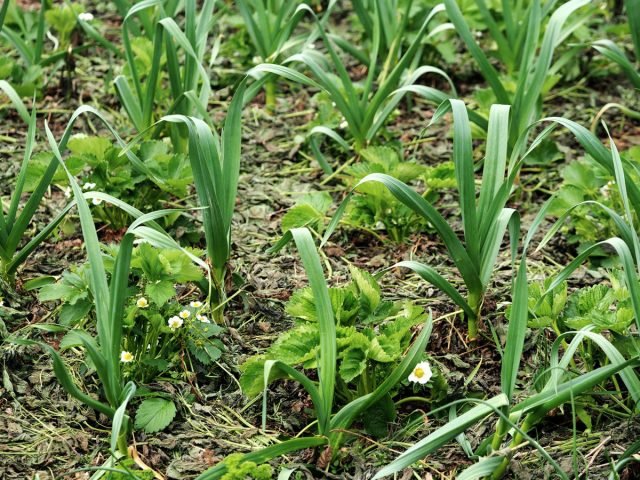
{"x":545,"y":310}
{"x":26,"y":81}
{"x":155,"y":347}
{"x":378,"y":210}
{"x":161,"y":269}
{"x":372,"y":336}
{"x":585,"y":180}
{"x":102,"y":167}
{"x":157,"y":270}
{"x":239,"y":469}
{"x":601,"y":307}
{"x":72,"y":289}
{"x":309,"y":211}
{"x":438,"y":178}
{"x":63,"y":20}
{"x":128,"y":470}
{"x":158,"y":348}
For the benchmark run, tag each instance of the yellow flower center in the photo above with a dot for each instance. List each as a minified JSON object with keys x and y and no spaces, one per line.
{"x":418,"y":372}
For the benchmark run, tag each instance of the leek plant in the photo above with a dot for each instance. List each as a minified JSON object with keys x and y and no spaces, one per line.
{"x":365,"y":107}
{"x":556,"y":391}
{"x":395,"y":19}
{"x":518,"y":419}
{"x":28,"y":44}
{"x":521,"y":53}
{"x":270,"y":25}
{"x":616,"y":54}
{"x":109,"y":296}
{"x":484,"y":217}
{"x":215,"y":162}
{"x":15,"y":221}
{"x":330,"y":425}
{"x":189,"y":84}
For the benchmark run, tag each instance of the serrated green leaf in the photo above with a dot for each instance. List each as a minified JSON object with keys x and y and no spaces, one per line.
{"x":352,"y":364}
{"x":368,"y":290}
{"x":205,"y":352}
{"x":302,"y":216}
{"x":70,"y":314}
{"x":298,"y":345}
{"x":155,"y":414}
{"x":160,"y":292}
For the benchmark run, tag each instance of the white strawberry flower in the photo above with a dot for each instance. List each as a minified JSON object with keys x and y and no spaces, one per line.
{"x":126,"y":357}
{"x":175,"y":322}
{"x":142,"y":303}
{"x":421,"y":373}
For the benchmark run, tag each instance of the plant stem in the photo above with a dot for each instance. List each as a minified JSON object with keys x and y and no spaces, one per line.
{"x":475,"y":302}
{"x":501,"y":429}
{"x":123,"y":444}
{"x":218,"y":296}
{"x":528,"y":423}
{"x":7,"y":279}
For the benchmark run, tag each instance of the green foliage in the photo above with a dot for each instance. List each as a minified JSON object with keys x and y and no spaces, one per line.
{"x":586,"y":181}
{"x":156,"y":270}
{"x":309,"y":211}
{"x":237,"y":468}
{"x":546,"y":308}
{"x":366,"y":105}
{"x":599,"y":306}
{"x":155,"y":414}
{"x":27,"y":81}
{"x":126,"y":469}
{"x":62,"y":19}
{"x":371,"y":336}
{"x":74,"y":292}
{"x":155,"y":347}
{"x":161,"y":269}
{"x":437,"y":178}
{"x":377,"y":209}
{"x":103,"y":167}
